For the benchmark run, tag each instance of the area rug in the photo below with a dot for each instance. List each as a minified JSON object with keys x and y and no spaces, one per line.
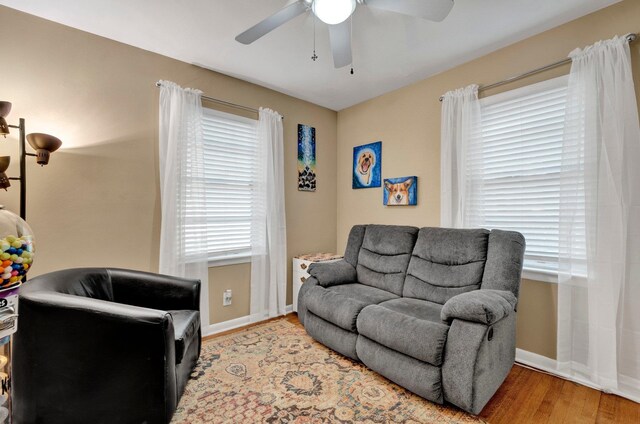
{"x":276,"y":373}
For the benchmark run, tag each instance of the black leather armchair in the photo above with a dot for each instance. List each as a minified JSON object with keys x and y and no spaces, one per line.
{"x":99,"y":345}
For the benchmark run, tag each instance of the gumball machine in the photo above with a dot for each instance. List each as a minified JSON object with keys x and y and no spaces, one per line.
{"x":16,"y":257}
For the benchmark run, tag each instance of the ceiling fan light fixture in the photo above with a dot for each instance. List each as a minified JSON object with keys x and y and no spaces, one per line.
{"x":333,"y":12}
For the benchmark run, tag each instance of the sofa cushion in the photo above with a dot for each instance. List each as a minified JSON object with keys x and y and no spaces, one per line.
{"x":332,"y":336}
{"x":409,"y":326}
{"x":340,"y":305}
{"x":384,"y":256}
{"x":446,"y":262}
{"x":185,"y":328}
{"x":422,"y":379}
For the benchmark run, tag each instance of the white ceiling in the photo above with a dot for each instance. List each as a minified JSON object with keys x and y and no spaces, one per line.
{"x":390,"y":50}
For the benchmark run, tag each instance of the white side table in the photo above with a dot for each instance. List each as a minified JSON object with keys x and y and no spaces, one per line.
{"x":301,"y":267}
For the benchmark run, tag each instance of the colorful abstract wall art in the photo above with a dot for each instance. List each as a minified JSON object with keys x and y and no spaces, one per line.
{"x":401,"y":191}
{"x":367,"y":165}
{"x":306,"y":158}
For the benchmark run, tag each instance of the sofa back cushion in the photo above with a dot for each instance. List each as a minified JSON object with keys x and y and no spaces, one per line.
{"x":505,"y":257}
{"x":354,"y":243}
{"x":384,"y":256}
{"x":446,"y":262}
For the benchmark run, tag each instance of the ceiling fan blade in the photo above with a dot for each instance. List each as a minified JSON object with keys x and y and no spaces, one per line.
{"x":267,"y":25}
{"x":433,"y":10}
{"x":340,"y":38}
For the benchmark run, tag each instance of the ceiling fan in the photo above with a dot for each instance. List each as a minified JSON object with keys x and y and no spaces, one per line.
{"x":336,"y":13}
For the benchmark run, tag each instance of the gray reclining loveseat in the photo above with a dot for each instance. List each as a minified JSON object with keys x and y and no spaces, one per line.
{"x":431,"y":309}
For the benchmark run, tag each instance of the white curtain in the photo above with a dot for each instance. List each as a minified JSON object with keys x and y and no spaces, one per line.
{"x":460,"y":125}
{"x":268,"y":226}
{"x":599,"y":286}
{"x":182,"y":188}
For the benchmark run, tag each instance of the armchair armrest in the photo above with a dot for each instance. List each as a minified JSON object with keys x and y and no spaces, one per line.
{"x":482,"y":306}
{"x":93,"y":346}
{"x":333,"y":273}
{"x":155,"y":291}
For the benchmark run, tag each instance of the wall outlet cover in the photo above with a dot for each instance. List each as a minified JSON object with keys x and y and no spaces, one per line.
{"x":227,"y":297}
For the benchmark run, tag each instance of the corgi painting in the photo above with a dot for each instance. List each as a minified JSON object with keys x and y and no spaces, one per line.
{"x":367,"y":165}
{"x":402,"y":191}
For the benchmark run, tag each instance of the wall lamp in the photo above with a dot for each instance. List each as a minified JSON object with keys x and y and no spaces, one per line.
{"x":43,"y":144}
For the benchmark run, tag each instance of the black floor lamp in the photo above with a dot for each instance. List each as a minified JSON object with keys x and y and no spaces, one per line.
{"x":43,"y":144}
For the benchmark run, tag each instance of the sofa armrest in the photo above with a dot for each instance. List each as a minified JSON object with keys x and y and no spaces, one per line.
{"x":302,"y":294}
{"x":477,"y":359}
{"x":93,"y":346}
{"x":482,"y":306}
{"x":155,"y":291}
{"x":333,"y":273}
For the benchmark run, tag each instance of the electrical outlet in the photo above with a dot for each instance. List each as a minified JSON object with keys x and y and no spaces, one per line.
{"x":226,"y":298}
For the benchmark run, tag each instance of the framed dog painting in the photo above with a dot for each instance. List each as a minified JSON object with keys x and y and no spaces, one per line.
{"x":402,"y":191}
{"x":367,"y":165}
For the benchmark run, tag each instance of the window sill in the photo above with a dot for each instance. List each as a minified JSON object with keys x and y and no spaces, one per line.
{"x":229,"y":260}
{"x":540,"y":275}
{"x":550,"y":276}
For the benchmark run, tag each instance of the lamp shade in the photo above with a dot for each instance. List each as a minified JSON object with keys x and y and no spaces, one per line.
{"x":5,"y":109}
{"x":44,"y":145}
{"x":333,"y":12}
{"x":4,"y":164}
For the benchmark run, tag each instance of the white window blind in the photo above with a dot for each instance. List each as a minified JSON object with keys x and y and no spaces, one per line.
{"x":514,"y":169}
{"x":230,"y":143}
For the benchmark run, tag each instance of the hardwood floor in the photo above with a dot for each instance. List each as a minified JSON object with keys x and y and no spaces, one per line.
{"x":529,"y":396}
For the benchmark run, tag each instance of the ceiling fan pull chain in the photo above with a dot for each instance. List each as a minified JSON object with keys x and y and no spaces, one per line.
{"x":351,"y":39}
{"x":315,"y":56}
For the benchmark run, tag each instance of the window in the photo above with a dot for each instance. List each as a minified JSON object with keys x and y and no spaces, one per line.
{"x":230,"y":143}
{"x":514,"y":170}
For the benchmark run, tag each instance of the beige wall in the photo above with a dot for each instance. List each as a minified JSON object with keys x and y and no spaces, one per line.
{"x":408,"y":123}
{"x":97,"y":202}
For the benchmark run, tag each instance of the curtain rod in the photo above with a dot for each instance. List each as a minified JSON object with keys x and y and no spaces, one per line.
{"x":630,"y":38}
{"x":224,"y":102}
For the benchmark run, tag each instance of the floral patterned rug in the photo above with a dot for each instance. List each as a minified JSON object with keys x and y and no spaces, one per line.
{"x":276,"y":373}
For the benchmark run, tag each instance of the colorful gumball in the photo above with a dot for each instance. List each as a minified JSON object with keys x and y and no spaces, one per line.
{"x":16,"y":249}
{"x":16,"y":256}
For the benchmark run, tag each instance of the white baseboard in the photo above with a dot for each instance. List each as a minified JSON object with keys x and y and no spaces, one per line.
{"x":536,"y":361}
{"x":233,"y":324}
{"x":550,"y":366}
